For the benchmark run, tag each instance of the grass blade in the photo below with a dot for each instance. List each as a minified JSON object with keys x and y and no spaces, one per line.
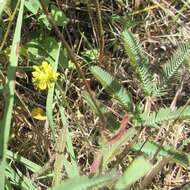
{"x":49,"y":101}
{"x":18,"y":179}
{"x":27,"y":163}
{"x":71,"y":167}
{"x":5,"y":123}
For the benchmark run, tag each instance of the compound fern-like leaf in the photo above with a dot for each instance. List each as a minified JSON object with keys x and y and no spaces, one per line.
{"x":140,"y":63}
{"x":150,"y":148}
{"x":113,"y":87}
{"x":178,"y":58}
{"x":165,"y":114}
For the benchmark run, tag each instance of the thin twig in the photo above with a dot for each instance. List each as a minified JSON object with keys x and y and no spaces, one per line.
{"x":100,"y":30}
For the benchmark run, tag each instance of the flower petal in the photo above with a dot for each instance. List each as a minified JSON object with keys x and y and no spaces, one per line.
{"x":39,"y":114}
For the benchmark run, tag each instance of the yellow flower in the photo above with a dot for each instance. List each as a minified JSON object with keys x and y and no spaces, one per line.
{"x":44,"y":76}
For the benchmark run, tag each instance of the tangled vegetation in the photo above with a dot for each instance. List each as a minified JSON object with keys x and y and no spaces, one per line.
{"x":94,"y":94}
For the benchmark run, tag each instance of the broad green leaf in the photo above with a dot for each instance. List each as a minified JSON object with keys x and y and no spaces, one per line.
{"x":33,"y":6}
{"x":137,"y":169}
{"x":59,"y":16}
{"x":43,"y":48}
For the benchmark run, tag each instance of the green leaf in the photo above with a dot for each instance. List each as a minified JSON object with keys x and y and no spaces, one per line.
{"x":137,"y":169}
{"x":140,"y":64}
{"x":43,"y":48}
{"x":85,"y":182}
{"x":59,"y":16}
{"x":132,"y":48}
{"x":43,"y":19}
{"x":113,"y":87}
{"x":90,"y":55}
{"x":165,"y":114}
{"x":178,"y":58}
{"x":150,"y":148}
{"x":8,"y":185}
{"x":32,"y":6}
